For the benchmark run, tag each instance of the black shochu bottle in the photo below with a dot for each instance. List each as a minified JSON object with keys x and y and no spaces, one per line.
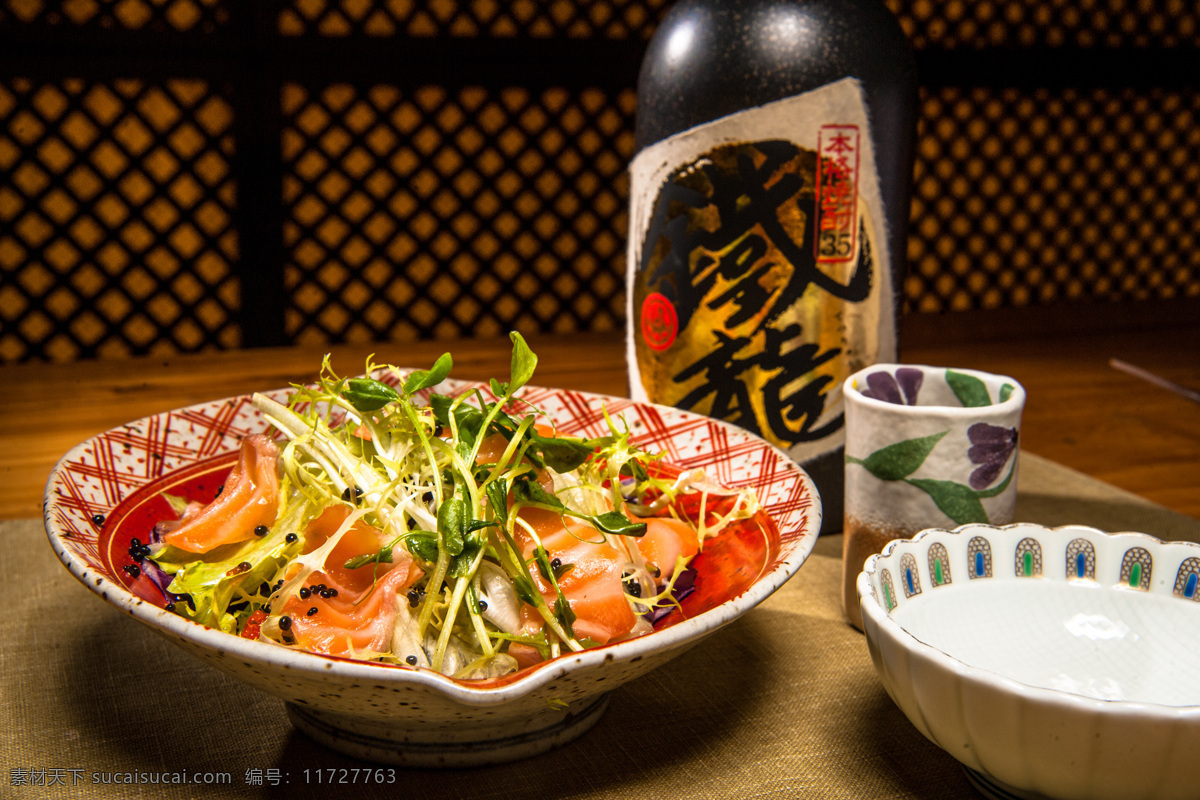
{"x":769,"y":206}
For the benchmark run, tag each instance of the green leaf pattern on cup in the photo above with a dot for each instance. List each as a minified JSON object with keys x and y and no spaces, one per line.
{"x":969,"y":390}
{"x":898,"y":461}
{"x":972,"y":392}
{"x":959,"y":502}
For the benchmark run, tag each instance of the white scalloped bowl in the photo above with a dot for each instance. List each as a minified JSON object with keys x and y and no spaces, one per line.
{"x":107,"y":490}
{"x":1052,"y":663}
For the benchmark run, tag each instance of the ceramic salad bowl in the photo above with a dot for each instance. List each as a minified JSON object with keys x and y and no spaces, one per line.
{"x":1059,"y":663}
{"x":108,"y":490}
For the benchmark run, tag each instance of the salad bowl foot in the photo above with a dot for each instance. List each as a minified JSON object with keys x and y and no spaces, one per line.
{"x":995,"y":790}
{"x":413,"y":745}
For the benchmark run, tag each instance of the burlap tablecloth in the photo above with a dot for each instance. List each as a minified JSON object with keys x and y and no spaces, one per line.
{"x":782,"y":703}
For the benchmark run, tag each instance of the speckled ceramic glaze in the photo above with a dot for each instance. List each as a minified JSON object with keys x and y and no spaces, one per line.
{"x":1059,"y":663}
{"x":107,"y":490}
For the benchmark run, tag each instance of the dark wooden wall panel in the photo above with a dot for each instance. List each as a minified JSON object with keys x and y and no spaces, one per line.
{"x":204,"y":174}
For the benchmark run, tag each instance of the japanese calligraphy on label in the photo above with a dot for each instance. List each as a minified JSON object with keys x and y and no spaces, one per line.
{"x":758,"y":275}
{"x":837,"y":193}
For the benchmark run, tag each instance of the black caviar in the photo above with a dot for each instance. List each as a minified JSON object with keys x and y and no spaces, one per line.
{"x":261,"y":530}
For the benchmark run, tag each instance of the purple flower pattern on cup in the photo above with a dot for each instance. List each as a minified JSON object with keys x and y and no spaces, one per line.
{"x":991,"y":445}
{"x":888,"y":388}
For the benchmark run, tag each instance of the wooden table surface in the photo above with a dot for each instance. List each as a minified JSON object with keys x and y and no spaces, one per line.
{"x":1080,"y":411}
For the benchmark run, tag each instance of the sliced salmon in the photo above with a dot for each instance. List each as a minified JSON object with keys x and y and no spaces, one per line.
{"x":531,"y":622}
{"x":666,"y":540}
{"x":190,"y":512}
{"x":592,"y":585}
{"x":355,"y":608}
{"x":361,"y":539}
{"x":490,"y":449}
{"x":249,"y":499}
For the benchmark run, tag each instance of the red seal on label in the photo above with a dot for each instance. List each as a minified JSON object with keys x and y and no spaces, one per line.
{"x":660,"y":323}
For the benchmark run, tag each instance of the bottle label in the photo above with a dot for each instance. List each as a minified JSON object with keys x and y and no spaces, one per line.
{"x":759,"y":277}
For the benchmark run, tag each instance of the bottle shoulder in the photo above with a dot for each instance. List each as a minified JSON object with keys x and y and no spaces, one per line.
{"x":711,"y":58}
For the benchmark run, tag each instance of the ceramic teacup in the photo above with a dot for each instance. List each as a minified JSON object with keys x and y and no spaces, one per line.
{"x":926,"y":447}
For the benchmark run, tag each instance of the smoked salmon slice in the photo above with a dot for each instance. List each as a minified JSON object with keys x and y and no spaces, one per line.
{"x":666,"y":540}
{"x":592,"y":585}
{"x":250,"y":498}
{"x":355,"y":608}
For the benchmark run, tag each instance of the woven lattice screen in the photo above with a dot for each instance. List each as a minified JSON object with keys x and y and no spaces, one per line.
{"x":116,"y":228}
{"x":1037,"y":197}
{"x":195,"y":174}
{"x":1057,"y":23}
{"x":491,"y":18}
{"x":505,"y":207}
